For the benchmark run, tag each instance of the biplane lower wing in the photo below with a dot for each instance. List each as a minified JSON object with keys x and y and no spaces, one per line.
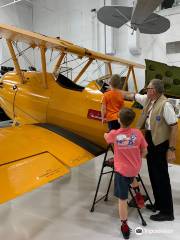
{"x":32,"y":155}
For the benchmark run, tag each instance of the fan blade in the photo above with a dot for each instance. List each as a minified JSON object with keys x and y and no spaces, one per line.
{"x":114,"y":16}
{"x":142,"y":10}
{"x":154,"y":24}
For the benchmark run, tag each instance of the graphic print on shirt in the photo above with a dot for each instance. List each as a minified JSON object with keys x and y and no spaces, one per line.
{"x":124,"y":140}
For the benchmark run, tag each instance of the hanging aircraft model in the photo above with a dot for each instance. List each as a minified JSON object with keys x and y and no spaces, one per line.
{"x":141,"y":17}
{"x":56,"y":123}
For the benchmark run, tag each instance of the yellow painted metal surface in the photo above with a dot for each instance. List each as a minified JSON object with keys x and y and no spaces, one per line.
{"x":15,"y":60}
{"x":28,"y":140}
{"x":26,"y":102}
{"x":27,"y":174}
{"x":7,"y":94}
{"x":32,"y":156}
{"x":72,"y":114}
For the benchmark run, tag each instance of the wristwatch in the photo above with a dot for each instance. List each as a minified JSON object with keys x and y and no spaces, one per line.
{"x":171,"y":148}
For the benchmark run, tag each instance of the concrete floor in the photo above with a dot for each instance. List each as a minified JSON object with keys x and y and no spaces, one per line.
{"x":60,"y":210}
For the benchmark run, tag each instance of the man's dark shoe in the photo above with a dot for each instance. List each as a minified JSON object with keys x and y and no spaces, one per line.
{"x":161,"y":217}
{"x":153,"y":208}
{"x":125,"y":229}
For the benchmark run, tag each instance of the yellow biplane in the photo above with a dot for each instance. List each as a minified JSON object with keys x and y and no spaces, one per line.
{"x":55,"y":122}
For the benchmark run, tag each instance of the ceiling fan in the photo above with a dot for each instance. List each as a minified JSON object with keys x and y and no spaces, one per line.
{"x":141,"y":17}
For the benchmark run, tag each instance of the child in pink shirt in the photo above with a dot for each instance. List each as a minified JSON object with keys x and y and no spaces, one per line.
{"x":129,"y":148}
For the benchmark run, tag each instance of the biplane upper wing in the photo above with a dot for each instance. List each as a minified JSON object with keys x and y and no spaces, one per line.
{"x":32,"y":155}
{"x":35,"y":39}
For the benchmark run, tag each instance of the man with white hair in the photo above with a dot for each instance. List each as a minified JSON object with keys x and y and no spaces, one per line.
{"x":159,"y":120}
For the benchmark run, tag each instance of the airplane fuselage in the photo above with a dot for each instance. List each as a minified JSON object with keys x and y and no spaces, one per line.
{"x":32,"y":103}
{"x":77,"y":111}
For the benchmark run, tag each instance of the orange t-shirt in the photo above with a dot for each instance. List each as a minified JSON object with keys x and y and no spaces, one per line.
{"x":114,"y":101}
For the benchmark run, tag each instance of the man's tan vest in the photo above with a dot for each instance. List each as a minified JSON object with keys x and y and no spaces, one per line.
{"x":160,"y":130}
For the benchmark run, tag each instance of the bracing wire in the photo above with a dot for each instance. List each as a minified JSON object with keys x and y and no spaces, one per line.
{"x":76,"y":66}
{"x":123,"y":71}
{"x":52,"y":59}
{"x":22,"y":54}
{"x":17,"y":55}
{"x":99,"y":66}
{"x":65,"y":62}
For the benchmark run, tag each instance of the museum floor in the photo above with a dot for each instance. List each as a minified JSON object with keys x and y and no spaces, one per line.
{"x":60,"y":211}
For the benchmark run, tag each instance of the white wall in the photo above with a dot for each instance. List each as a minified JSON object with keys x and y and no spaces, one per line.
{"x":72,"y":20}
{"x":173,"y":34}
{"x":19,"y":15}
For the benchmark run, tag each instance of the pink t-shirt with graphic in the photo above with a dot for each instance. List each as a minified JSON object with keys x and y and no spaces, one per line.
{"x":128,"y":143}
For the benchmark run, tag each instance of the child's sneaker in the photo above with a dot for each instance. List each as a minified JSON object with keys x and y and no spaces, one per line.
{"x":139,"y":199}
{"x":125,"y":230}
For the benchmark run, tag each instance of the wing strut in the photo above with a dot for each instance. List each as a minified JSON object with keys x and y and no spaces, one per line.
{"x":110,"y":69}
{"x":83,"y":70}
{"x":58,"y":63}
{"x":134,"y":79}
{"x":131,"y":68}
{"x":15,"y":61}
{"x":43,"y":62}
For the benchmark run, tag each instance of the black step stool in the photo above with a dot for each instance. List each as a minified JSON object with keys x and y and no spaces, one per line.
{"x":110,"y":164}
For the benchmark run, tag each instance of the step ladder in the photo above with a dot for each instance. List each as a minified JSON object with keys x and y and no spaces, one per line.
{"x":109,"y":163}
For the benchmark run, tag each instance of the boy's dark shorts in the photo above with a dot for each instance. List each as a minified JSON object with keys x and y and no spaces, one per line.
{"x":121,"y":185}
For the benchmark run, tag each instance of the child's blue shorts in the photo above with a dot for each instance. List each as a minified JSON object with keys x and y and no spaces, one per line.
{"x":121,"y":186}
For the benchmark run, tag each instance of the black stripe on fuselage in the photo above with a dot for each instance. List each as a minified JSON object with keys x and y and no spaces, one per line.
{"x":82,"y":142}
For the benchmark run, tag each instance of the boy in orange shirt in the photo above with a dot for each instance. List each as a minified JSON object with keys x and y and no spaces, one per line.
{"x":112,"y":102}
